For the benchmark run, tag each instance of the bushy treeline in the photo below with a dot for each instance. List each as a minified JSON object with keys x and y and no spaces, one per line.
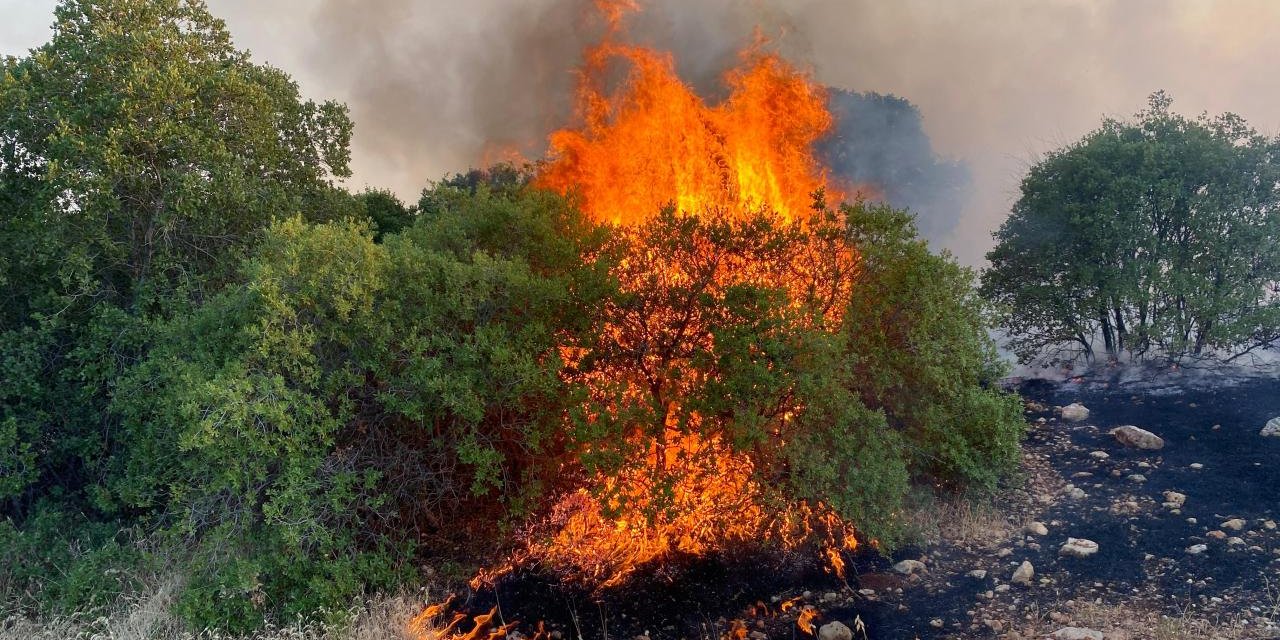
{"x":1153,"y":237}
{"x":217,"y":363}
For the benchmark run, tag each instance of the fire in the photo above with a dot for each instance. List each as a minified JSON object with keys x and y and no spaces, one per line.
{"x":432,"y":625}
{"x":644,"y":143}
{"x":653,"y":141}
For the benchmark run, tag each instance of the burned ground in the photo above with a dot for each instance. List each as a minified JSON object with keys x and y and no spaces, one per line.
{"x":1213,"y":455}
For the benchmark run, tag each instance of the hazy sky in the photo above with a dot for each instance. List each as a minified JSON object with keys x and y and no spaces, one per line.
{"x":432,"y":83}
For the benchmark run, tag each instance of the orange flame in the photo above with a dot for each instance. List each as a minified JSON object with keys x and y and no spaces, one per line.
{"x":431,"y":625}
{"x":643,"y":143}
{"x":805,"y":621}
{"x":654,"y":142}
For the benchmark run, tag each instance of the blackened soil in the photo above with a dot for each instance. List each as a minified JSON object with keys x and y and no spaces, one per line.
{"x":1142,"y":558}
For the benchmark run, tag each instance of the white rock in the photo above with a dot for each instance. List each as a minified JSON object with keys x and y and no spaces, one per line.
{"x":1137,"y":477}
{"x":1099,"y":455}
{"x":1078,"y":548}
{"x":1174,"y":500}
{"x":1023,"y":574}
{"x":835,"y":631}
{"x":1196,"y":466}
{"x":1197,"y":549}
{"x":1131,"y":436}
{"x":978,"y":574}
{"x":908,"y":567}
{"x":1075,"y":493}
{"x":1234,"y":524}
{"x":1077,"y":633}
{"x":1036,"y":529}
{"x":1272,"y":428}
{"x":1075,"y":412}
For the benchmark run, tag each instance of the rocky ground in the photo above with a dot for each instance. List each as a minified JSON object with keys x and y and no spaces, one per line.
{"x":1143,"y":511}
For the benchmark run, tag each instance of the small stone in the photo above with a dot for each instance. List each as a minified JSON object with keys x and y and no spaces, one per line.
{"x":1059,"y":617}
{"x":867,"y":593}
{"x":1099,"y":455}
{"x":908,"y":567}
{"x":1078,"y":548}
{"x":1269,"y":525}
{"x":1197,"y":466}
{"x":1137,"y":477}
{"x":1023,"y":574}
{"x":1271,"y":429}
{"x":1002,"y":588}
{"x":978,"y":574}
{"x":1175,"y":499}
{"x":1192,"y":521}
{"x":758,"y":635}
{"x":1217,"y":535}
{"x":1077,"y":633}
{"x":1131,"y":436}
{"x":1234,"y":524}
{"x":1004,"y":553}
{"x":1036,"y":529}
{"x":1235,"y":542}
{"x":830,"y":596}
{"x":994,"y":625}
{"x":1075,"y":412}
{"x":1197,"y":549}
{"x":835,"y":631}
{"x":1075,"y":493}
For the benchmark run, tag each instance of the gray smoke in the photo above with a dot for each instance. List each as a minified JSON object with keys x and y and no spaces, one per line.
{"x":502,"y":79}
{"x":880,"y":140}
{"x":431,"y":82}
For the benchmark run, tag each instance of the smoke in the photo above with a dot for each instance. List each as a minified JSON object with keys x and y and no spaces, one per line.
{"x":438,"y":86}
{"x":880,"y":140}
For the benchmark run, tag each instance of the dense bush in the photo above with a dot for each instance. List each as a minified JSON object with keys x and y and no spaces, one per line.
{"x":219,"y":364}
{"x":921,"y":354}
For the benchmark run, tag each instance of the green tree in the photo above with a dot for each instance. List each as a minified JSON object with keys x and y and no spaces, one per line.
{"x":140,"y":154}
{"x":355,"y":398}
{"x":920,"y":352}
{"x":1154,"y":236}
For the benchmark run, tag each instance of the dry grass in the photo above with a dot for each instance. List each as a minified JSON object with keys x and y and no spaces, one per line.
{"x":932,"y":519}
{"x":150,"y":617}
{"x":1133,"y":622}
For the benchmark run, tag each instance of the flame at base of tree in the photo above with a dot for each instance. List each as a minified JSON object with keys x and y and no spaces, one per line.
{"x":709,"y":500}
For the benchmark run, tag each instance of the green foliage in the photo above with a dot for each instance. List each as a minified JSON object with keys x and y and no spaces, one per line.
{"x":352,"y":396}
{"x":1150,"y":236}
{"x":917,"y":331}
{"x":57,"y":561}
{"x":140,"y":154}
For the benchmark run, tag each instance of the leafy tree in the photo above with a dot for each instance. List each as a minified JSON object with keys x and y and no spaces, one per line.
{"x":920,"y":353}
{"x":140,"y":154}
{"x":355,"y":398}
{"x":1148,"y":237}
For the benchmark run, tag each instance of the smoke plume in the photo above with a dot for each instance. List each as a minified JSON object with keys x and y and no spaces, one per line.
{"x":438,"y":86}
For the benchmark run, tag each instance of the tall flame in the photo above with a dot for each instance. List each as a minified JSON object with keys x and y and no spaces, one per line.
{"x":652,"y":141}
